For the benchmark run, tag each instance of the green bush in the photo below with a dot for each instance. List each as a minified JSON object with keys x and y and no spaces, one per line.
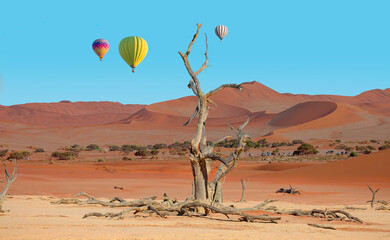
{"x":307,"y":149}
{"x":142,"y":153}
{"x":263,"y":143}
{"x":3,"y":152}
{"x":100,"y":160}
{"x":154,"y":152}
{"x":369,"y":147}
{"x":297,"y":141}
{"x":353,"y":154}
{"x":127,"y":158}
{"x":92,"y":147}
{"x":384,"y":147}
{"x":65,"y":155}
{"x":160,"y":146}
{"x":19,"y":155}
{"x":251,"y":144}
{"x":114,"y":148}
{"x":39,"y":150}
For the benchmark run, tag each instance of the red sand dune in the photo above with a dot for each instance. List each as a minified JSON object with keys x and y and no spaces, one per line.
{"x":364,"y":116}
{"x":302,"y":113}
{"x":63,"y":114}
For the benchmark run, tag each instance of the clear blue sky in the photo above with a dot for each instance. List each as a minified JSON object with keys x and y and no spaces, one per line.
{"x":314,"y":47}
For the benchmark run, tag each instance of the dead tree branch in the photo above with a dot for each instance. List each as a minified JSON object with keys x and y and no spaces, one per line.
{"x":373,"y":196}
{"x":329,"y":214}
{"x":243,"y":185}
{"x":321,"y":226}
{"x":10,"y":179}
{"x":244,"y":217}
{"x":115,"y":203}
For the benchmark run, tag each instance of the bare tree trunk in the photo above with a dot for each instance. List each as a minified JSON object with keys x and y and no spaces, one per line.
{"x":373,"y":195}
{"x":243,"y":185}
{"x":10,"y":179}
{"x":201,"y":154}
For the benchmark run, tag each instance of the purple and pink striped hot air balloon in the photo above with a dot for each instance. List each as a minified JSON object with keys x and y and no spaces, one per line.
{"x":100,"y":47}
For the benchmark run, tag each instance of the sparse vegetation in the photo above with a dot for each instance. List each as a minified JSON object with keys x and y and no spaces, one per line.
{"x":353,"y":154}
{"x":3,"y":152}
{"x":127,"y":158}
{"x":39,"y":150}
{"x":92,"y":147}
{"x":384,"y":147}
{"x":307,"y":148}
{"x":142,"y":153}
{"x":19,"y":155}
{"x":114,"y":148}
{"x":68,"y":155}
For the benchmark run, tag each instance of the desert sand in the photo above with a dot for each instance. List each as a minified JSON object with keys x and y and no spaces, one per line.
{"x":333,"y":185}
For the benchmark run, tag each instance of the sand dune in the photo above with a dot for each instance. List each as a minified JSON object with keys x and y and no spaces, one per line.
{"x":64,"y":114}
{"x":302,"y":113}
{"x":281,"y":115}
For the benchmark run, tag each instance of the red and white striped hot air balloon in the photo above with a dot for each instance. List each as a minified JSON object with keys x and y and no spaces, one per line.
{"x":221,"y":31}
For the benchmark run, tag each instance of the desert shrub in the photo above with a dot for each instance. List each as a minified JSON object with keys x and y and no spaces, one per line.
{"x":179,"y":152}
{"x":251,"y":144}
{"x":353,"y":154}
{"x":307,"y":149}
{"x":127,"y":158}
{"x":178,"y":145}
{"x":3,"y":152}
{"x":338,"y":141}
{"x":160,"y":146}
{"x":374,"y":141}
{"x":92,"y":147}
{"x":367,"y":151}
{"x":228,"y":143}
{"x":142,"y":153}
{"x":384,"y":147}
{"x":128,"y":148}
{"x":19,"y":155}
{"x":154,"y":152}
{"x":263,"y":143}
{"x":297,"y":141}
{"x":369,"y":147}
{"x":387,"y":142}
{"x":68,"y":155}
{"x":275,"y":152}
{"x":100,"y":160}
{"x":341,"y":146}
{"x":38,"y":150}
{"x":348,"y":149}
{"x":114,"y":148}
{"x":75,"y":146}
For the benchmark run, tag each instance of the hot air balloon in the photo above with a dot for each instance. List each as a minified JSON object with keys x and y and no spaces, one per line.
{"x":133,"y":50}
{"x":221,"y":31}
{"x":100,"y":47}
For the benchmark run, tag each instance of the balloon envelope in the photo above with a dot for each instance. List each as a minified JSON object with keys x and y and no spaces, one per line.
{"x":100,"y":47}
{"x":221,"y":31}
{"x":133,"y":50}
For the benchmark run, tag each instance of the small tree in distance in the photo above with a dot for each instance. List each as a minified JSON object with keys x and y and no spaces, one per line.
{"x":307,"y":149}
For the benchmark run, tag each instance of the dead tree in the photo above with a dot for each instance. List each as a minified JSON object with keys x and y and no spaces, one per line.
{"x":202,"y":154}
{"x":243,"y":185}
{"x":9,"y":181}
{"x":373,"y":196}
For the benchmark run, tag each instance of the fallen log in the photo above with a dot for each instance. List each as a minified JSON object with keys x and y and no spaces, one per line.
{"x":244,"y":217}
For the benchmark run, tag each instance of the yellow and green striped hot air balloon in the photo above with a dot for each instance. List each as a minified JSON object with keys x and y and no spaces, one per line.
{"x":133,"y":50}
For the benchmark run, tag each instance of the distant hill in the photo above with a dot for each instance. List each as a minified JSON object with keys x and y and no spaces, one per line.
{"x":365,"y":116}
